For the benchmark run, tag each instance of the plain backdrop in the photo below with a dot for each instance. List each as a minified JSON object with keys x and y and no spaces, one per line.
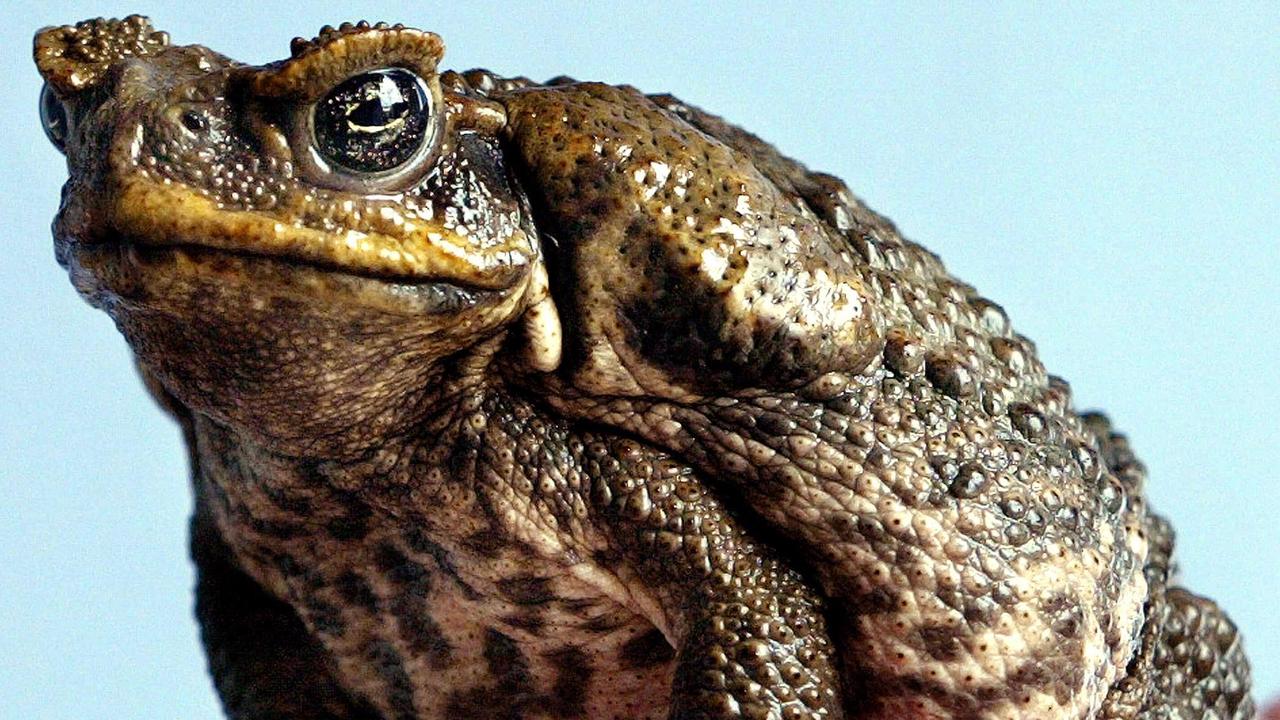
{"x":1111,"y":177}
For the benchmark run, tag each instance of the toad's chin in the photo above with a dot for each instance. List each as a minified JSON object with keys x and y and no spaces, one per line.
{"x":272,"y":347}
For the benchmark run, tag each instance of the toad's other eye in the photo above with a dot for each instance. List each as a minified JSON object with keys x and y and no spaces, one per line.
{"x":373,"y":122}
{"x":53,"y":115}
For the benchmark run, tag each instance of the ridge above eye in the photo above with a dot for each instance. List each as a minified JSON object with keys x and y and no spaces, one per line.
{"x":374,"y":122}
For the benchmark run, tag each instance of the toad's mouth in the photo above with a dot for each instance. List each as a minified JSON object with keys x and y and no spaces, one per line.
{"x":117,"y":268}
{"x":380,"y":242}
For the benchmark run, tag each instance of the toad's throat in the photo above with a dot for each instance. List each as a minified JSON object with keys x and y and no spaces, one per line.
{"x":147,"y":213}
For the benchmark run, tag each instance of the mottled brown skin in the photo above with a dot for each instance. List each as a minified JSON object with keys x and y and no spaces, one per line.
{"x":598,"y":407}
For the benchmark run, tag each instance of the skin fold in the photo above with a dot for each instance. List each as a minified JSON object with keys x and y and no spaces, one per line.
{"x":509,"y":399}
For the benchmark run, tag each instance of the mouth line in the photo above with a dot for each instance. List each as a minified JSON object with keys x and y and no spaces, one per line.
{"x":126,"y":244}
{"x":121,"y":266}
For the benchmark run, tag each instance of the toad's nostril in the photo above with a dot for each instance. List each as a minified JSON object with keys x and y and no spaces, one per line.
{"x":194,"y":121}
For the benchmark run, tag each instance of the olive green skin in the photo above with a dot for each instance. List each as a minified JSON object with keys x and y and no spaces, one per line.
{"x":599,"y":408}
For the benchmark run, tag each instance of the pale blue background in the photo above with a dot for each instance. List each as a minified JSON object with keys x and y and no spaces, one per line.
{"x":1112,"y":178}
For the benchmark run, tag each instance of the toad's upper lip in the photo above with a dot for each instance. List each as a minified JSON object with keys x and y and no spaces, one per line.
{"x":135,"y":272}
{"x":146,"y":213}
{"x":249,"y":254}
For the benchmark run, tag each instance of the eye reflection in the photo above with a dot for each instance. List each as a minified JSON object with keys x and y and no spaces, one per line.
{"x":373,"y":122}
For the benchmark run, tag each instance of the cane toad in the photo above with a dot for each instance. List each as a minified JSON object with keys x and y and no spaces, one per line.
{"x":510,"y":399}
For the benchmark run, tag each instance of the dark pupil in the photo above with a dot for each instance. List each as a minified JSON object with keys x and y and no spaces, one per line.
{"x":53,"y":116}
{"x":374,"y":121}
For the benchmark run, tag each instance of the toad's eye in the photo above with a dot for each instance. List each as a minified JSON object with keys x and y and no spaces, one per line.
{"x":53,"y":115}
{"x":374,"y":122}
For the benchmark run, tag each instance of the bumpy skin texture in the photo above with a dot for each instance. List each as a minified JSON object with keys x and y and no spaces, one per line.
{"x":597,"y":407}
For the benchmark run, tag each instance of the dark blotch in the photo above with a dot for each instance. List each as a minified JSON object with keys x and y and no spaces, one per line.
{"x":528,"y":619}
{"x":478,"y":703}
{"x":399,"y":569}
{"x":420,"y":543}
{"x":390,"y":667}
{"x":573,"y":680}
{"x":278,"y":529}
{"x":289,"y":502}
{"x":508,"y":666}
{"x":353,"y":525}
{"x":486,"y":543}
{"x":646,"y":650}
{"x":420,"y":630}
{"x":325,"y":617}
{"x":526,"y":590}
{"x":607,"y":558}
{"x":356,"y":591}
